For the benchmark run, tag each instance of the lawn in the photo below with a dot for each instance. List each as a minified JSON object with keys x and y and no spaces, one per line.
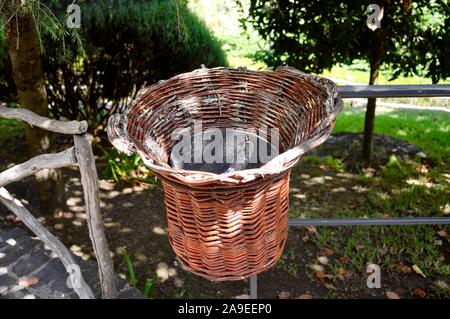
{"x":326,"y":188}
{"x":430,"y":130}
{"x":358,"y":72}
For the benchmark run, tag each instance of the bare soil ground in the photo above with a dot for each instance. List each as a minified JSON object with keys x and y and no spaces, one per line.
{"x":310,"y":266}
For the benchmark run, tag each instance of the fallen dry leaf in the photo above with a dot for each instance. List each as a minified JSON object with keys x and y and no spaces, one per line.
{"x":445,"y":209}
{"x":341,"y":271}
{"x":27,"y":282}
{"x":343,"y":274}
{"x":284,"y":295}
{"x":326,"y":251}
{"x":311,"y":229}
{"x":343,"y":259}
{"x":136,"y":183}
{"x":392,"y":295}
{"x":405,"y":269}
{"x":330,"y":286}
{"x":442,"y":233}
{"x":305,"y":296}
{"x":11,"y":218}
{"x":420,"y":168}
{"x":323,"y":260}
{"x":59,"y":214}
{"x":417,"y":270}
{"x":322,"y":276}
{"x":419,"y":292}
{"x":340,"y":276}
{"x":317,"y":267}
{"x":243,"y":296}
{"x":305,"y":239}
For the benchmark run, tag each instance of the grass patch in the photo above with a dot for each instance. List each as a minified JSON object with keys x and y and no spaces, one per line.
{"x":401,"y":188}
{"x":288,"y":263}
{"x":10,"y":129}
{"x":427,"y":129}
{"x":359,"y":72}
{"x":387,"y":246}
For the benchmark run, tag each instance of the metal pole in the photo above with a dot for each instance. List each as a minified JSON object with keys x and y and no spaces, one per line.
{"x":386,"y":91}
{"x":254,"y":287}
{"x":369,"y":221}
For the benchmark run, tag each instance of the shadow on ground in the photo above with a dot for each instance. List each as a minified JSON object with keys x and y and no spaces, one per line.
{"x":135,"y":222}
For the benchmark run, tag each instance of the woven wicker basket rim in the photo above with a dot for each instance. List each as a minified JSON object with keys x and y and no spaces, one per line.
{"x":278,"y":164}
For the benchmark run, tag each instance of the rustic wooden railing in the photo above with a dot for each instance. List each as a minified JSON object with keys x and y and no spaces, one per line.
{"x":80,"y":155}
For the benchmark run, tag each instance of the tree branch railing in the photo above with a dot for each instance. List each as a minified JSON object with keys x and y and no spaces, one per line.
{"x":80,"y":155}
{"x":79,"y":284}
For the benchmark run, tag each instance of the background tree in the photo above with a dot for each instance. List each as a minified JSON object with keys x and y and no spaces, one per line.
{"x":315,"y":35}
{"x":126,"y":45}
{"x":22,"y":43}
{"x":88,"y":74}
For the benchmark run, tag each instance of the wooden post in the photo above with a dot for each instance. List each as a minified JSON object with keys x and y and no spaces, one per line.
{"x":86,"y":162}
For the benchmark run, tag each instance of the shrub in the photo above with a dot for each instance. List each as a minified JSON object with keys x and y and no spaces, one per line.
{"x":121,"y":167}
{"x":126,"y":46}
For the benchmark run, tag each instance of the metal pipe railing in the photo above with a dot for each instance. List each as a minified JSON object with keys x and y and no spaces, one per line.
{"x":389,"y":91}
{"x":369,"y":221}
{"x":374,"y":91}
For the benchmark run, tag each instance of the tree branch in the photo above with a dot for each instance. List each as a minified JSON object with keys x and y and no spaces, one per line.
{"x":72,"y":127}
{"x":40,"y":162}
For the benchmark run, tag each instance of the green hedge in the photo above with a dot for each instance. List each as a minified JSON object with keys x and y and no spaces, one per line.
{"x":127,"y":45}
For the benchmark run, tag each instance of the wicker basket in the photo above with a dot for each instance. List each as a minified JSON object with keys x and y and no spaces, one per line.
{"x":232,"y":225}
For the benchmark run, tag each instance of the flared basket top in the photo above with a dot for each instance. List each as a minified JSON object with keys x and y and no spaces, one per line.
{"x":301,"y":108}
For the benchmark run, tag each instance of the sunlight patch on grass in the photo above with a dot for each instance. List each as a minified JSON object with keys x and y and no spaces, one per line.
{"x":426,"y":129}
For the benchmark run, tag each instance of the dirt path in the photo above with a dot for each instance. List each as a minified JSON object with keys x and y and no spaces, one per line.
{"x":135,"y":221}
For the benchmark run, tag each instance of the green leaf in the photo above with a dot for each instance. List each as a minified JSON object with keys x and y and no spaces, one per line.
{"x":130,"y":269}
{"x":149,"y":288}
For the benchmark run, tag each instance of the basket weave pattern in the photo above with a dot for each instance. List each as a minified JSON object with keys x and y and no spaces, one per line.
{"x":233,"y":225}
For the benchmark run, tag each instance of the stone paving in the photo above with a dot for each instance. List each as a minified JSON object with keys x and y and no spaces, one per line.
{"x":28,"y":269}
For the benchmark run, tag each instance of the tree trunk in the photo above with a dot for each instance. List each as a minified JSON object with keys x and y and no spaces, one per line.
{"x":369,"y":122}
{"x":376,"y":59}
{"x":23,"y":48}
